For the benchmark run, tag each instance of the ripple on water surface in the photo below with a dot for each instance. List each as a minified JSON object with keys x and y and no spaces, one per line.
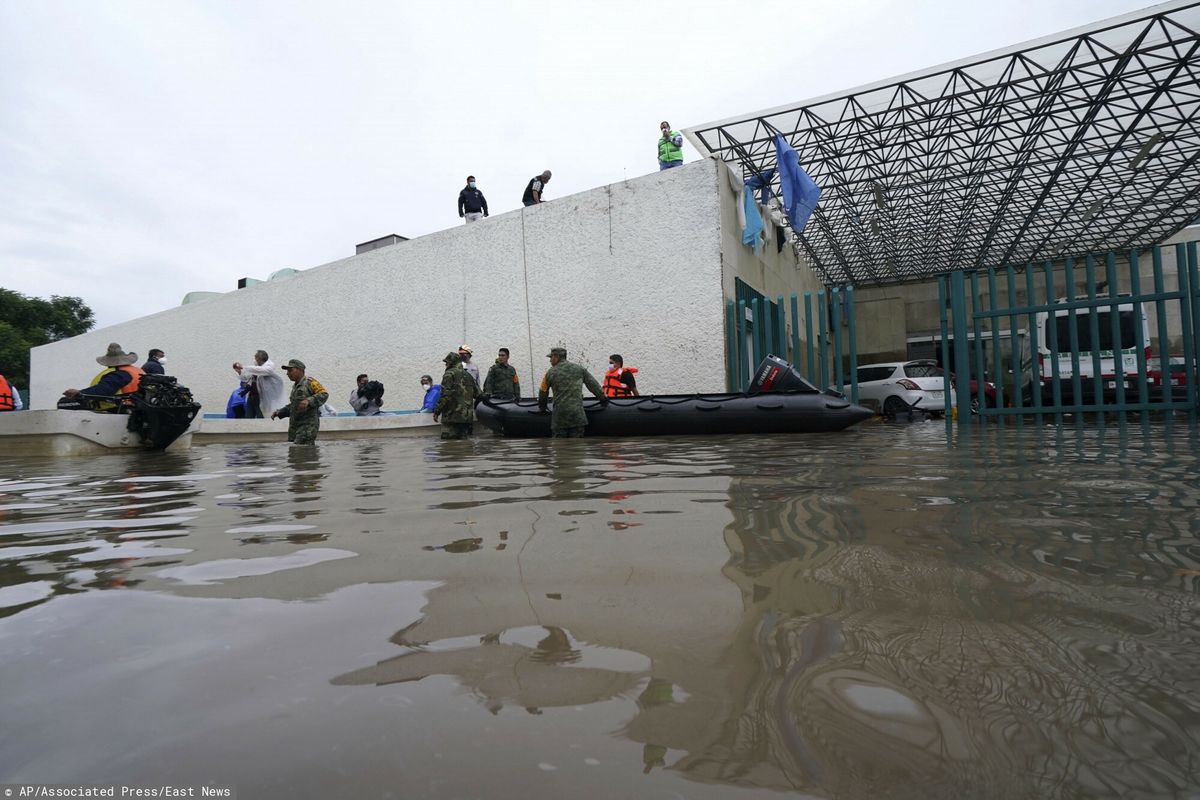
{"x":1009,"y":615}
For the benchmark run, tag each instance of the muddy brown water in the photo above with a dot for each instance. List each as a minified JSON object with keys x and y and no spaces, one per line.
{"x":869,"y":613}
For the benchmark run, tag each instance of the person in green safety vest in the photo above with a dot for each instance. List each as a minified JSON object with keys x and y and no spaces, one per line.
{"x":670,"y":147}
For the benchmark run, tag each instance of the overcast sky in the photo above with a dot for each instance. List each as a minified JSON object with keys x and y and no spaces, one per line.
{"x":149,"y":149}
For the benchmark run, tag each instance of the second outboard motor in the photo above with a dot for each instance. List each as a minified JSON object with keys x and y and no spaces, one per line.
{"x":776,"y":375}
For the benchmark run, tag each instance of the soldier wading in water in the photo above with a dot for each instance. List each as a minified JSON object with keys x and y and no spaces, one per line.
{"x":455,"y":409}
{"x":303,"y":411}
{"x":567,"y":380}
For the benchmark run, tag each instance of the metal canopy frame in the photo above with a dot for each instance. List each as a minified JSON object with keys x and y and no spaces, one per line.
{"x":1084,"y":141}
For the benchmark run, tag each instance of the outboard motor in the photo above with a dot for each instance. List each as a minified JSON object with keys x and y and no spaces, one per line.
{"x":162,"y":410}
{"x":776,"y":375}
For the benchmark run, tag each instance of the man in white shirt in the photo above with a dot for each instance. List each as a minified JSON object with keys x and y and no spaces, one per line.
{"x":267,"y":384}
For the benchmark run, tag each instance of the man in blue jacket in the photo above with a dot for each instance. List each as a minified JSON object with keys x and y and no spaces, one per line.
{"x":472,"y":205}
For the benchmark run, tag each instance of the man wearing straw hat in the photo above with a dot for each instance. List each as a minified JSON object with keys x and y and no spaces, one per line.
{"x":119,"y":377}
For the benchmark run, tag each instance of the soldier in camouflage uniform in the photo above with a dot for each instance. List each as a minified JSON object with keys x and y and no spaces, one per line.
{"x":303,"y":411}
{"x":567,"y":380}
{"x":456,"y":407}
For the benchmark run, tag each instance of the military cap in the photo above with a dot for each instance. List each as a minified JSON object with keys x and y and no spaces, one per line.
{"x":561,"y":352}
{"x":294,"y":362}
{"x":451,"y":356}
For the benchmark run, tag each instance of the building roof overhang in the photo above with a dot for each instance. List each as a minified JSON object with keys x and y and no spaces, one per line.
{"x":1083,"y":141}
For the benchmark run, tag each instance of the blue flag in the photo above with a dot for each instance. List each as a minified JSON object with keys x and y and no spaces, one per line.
{"x":800,"y":193}
{"x":761,"y":184}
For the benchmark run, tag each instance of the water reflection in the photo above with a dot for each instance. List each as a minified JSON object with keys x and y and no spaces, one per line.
{"x":501,"y":670}
{"x":851,"y":615}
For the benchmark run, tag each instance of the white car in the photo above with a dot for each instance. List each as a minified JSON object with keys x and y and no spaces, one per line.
{"x":899,"y":386}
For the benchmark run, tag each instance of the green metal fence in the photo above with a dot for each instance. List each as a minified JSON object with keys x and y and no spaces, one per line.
{"x":1078,"y":338}
{"x":817,"y":335}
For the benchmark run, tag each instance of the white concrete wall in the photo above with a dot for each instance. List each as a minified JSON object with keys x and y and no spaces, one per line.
{"x":632,"y":268}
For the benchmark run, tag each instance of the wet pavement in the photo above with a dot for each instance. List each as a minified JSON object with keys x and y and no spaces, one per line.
{"x":868,"y":613}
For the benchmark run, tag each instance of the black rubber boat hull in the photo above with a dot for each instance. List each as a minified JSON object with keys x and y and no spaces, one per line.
{"x":686,"y":415}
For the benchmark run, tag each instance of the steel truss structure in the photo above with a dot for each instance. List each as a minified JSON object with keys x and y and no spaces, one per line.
{"x":1085,"y":141}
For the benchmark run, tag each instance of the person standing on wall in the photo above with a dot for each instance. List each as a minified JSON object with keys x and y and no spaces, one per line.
{"x":472,"y":205}
{"x":535,"y":189}
{"x":670,"y":147}
{"x":619,"y":380}
{"x":154,"y":363}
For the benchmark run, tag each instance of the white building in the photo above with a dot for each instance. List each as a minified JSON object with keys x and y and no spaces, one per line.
{"x":642,"y":268}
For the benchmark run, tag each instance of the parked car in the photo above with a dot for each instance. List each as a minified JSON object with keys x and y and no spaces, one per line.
{"x":1175,"y":366}
{"x":989,"y":395}
{"x":896,"y":387}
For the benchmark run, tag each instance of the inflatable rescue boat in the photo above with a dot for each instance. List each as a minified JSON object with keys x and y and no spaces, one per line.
{"x":779,"y":401}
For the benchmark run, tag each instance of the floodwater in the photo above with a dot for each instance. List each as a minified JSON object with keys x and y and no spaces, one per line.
{"x":871,"y":613}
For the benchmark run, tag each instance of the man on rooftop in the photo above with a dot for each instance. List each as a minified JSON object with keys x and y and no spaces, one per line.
{"x":670,"y":147}
{"x":472,"y":205}
{"x":537,"y":185}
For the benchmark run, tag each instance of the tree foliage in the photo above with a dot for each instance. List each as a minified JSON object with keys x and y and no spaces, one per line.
{"x":27,"y":322}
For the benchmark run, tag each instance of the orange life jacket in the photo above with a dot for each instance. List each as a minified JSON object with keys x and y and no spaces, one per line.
{"x":135,"y":375}
{"x":135,"y":378}
{"x":612,"y":382}
{"x":6,"y":395}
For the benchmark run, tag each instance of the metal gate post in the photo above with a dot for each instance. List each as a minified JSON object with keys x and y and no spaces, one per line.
{"x":1185,"y":266}
{"x":941,"y":284}
{"x":743,"y":372}
{"x":836,"y":322}
{"x":961,"y":364}
{"x":851,"y":332}
{"x":824,"y":340}
{"x":808,"y":328}
{"x":731,"y":347}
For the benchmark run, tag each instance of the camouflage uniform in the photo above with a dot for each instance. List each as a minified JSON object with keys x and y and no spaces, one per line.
{"x":456,"y":406}
{"x":502,"y":383}
{"x":567,"y":380}
{"x":303,"y":425}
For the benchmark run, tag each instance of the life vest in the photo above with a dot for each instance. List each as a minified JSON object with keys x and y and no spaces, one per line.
{"x":612,"y":382}
{"x":668,"y":150}
{"x":135,"y":374}
{"x":6,"y":395}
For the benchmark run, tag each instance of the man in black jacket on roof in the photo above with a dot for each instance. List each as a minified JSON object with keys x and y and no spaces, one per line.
{"x":472,"y":205}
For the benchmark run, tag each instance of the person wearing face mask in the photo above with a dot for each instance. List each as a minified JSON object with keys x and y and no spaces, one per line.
{"x":432,"y":392}
{"x":154,"y":364}
{"x":619,"y":380}
{"x":472,"y":205}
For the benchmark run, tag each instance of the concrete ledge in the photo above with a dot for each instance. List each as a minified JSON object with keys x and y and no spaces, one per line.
{"x":215,"y":431}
